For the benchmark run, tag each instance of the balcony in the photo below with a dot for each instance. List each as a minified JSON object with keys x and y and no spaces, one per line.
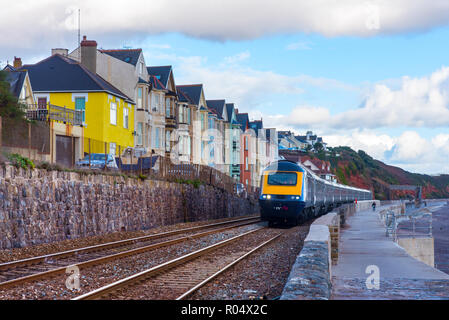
{"x":54,"y":113}
{"x":170,"y":122}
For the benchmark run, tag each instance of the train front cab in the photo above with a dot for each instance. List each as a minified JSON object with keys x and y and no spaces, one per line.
{"x":281,"y":197}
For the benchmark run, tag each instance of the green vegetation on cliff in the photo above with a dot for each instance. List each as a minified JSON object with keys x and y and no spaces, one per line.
{"x":361,"y":170}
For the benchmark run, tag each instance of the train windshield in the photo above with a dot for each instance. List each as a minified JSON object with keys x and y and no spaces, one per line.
{"x":282,"y":179}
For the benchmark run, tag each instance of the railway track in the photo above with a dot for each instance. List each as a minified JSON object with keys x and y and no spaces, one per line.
{"x":181,"y":277}
{"x":22,"y":271}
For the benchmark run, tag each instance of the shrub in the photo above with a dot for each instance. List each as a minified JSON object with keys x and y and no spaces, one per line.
{"x":20,"y":162}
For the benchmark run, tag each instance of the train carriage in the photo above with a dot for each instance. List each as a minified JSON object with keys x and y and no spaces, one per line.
{"x":292,"y":193}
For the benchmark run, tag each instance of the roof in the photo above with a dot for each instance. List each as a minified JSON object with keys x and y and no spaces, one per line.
{"x":243,"y":120}
{"x":156,"y":83}
{"x":193,"y":91}
{"x":130,"y":56}
{"x":301,"y":139}
{"x":16,"y":80}
{"x":9,"y":67}
{"x":62,"y":74}
{"x":218,"y":106}
{"x":184,"y":97}
{"x":161,"y":72}
{"x":229,"y":110}
{"x":256,"y":126}
{"x":143,"y":81}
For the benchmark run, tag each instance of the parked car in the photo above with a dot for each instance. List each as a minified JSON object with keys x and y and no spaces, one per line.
{"x":240,"y":189}
{"x":97,"y":161}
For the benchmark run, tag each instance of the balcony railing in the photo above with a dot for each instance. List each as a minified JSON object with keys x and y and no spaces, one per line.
{"x":55,"y":113}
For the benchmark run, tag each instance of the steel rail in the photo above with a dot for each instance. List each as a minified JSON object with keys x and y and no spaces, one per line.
{"x":113,"y":244}
{"x":141,"y":276}
{"x":84,"y":264}
{"x":202,"y":283}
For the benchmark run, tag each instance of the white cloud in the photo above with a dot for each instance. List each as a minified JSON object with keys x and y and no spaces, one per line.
{"x":235,"y":82}
{"x":418,"y":102}
{"x":30,"y":22}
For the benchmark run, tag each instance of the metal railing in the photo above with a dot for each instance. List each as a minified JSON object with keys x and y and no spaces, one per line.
{"x":417,"y":225}
{"x":56,"y":113}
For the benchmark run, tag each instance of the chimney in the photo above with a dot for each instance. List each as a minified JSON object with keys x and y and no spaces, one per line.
{"x":17,"y":63}
{"x":89,"y":54}
{"x":61,"y":51}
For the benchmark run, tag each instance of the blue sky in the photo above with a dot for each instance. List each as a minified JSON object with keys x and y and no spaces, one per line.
{"x":373,"y":75}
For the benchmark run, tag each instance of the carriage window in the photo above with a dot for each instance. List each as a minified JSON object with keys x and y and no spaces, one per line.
{"x":282,"y":179}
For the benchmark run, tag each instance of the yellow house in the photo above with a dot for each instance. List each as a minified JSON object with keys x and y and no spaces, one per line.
{"x":105,"y":114}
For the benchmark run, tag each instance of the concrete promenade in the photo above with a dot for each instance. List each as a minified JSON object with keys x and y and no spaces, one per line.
{"x":363,"y":243}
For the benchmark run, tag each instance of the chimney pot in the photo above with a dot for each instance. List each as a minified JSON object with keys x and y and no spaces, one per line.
{"x":17,"y":62}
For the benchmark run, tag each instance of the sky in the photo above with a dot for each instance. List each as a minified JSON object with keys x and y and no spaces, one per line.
{"x":372,"y":75}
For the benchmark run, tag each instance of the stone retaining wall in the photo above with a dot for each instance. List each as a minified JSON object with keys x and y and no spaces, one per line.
{"x":40,"y":206}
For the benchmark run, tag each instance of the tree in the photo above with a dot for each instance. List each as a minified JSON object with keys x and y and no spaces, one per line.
{"x":9,"y":104}
{"x":318,"y":146}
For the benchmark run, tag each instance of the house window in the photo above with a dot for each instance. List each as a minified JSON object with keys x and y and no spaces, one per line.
{"x":202,"y":121}
{"x":246,"y":163}
{"x":112,"y":148}
{"x":167,"y":141}
{"x":139,"y":133}
{"x":42,"y":103}
{"x":113,"y":113}
{"x":139,"y":98}
{"x":181,"y":113}
{"x":188,"y":115}
{"x":80,"y":105}
{"x":161,"y":104}
{"x":188,"y":145}
{"x":246,"y":143}
{"x":153,"y":105}
{"x":141,"y":68}
{"x":125,"y":118}
{"x":167,"y":107}
{"x":157,"y":138}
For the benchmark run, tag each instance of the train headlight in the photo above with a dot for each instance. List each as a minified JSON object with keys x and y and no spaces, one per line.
{"x":297,"y":197}
{"x":268,"y":196}
{"x":293,"y":197}
{"x":264,"y":196}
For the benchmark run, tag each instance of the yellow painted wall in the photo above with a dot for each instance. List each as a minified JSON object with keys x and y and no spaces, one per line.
{"x":97,"y":118}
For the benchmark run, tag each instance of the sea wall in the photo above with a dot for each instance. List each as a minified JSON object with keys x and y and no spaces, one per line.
{"x":40,"y":206}
{"x":311,"y":274}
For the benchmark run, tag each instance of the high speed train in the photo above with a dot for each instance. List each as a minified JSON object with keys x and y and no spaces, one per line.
{"x":291,"y":193}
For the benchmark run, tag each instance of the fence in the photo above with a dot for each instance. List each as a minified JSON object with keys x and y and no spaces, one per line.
{"x":407,"y":225}
{"x":49,"y":112}
{"x":29,"y":139}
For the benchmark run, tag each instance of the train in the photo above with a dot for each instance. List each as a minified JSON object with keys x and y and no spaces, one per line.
{"x":291,"y":193}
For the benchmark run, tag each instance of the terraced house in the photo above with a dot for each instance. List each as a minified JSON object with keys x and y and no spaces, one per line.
{"x":106,"y":115}
{"x":164,"y":90}
{"x":234,"y":139}
{"x":222,"y":124}
{"x":200,"y":111}
{"x":126,"y":70}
